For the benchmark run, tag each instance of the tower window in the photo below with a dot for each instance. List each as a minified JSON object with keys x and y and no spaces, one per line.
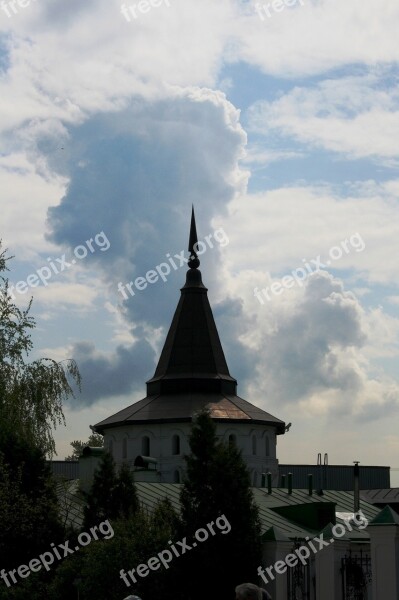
{"x":145,"y":446}
{"x":110,"y":446}
{"x":255,"y":479}
{"x":124,"y":448}
{"x":267,"y":446}
{"x":232,"y":439}
{"x":254,"y":445}
{"x":176,"y":445}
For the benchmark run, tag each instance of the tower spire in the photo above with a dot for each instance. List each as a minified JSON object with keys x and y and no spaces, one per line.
{"x":194,"y":261}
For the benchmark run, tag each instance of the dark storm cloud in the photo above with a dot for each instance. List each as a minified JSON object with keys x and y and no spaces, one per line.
{"x":103,"y":376}
{"x":134,"y":175}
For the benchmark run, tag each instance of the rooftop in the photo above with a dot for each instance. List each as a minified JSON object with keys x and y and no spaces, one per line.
{"x":192,"y":372}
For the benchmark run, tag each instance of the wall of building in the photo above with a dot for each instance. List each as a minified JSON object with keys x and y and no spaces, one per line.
{"x":337,"y":477}
{"x":257,"y":442}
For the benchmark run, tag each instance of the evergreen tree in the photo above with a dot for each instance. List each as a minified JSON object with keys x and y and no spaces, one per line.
{"x":112,"y":495}
{"x":125,"y":497}
{"x":218,"y":483}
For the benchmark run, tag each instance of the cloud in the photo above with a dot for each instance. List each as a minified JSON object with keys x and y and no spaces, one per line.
{"x":70,"y":296}
{"x":108,"y":375}
{"x":278,"y":230}
{"x":357,"y":116}
{"x":317,"y":36}
{"x":26,"y":195}
{"x":312,"y":348}
{"x":134,"y":172}
{"x":303,"y":354}
{"x":130,"y":174}
{"x":71,"y":59}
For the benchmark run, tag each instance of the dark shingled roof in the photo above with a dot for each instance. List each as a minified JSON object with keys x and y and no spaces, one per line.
{"x":174,"y":408}
{"x":192,"y":372}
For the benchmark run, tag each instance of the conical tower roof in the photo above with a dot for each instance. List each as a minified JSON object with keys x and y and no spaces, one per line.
{"x":192,"y":358}
{"x":192,"y":371}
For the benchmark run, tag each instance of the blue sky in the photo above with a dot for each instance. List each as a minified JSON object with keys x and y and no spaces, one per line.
{"x":282,"y":132}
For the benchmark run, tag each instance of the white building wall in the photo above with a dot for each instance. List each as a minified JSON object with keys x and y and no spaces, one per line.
{"x":258,"y":453}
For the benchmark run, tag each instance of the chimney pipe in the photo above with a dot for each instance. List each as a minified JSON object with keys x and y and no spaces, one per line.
{"x":356,"y":487}
{"x":283,"y":481}
{"x":310,"y":484}
{"x":269,"y":483}
{"x":290,"y":483}
{"x":263,"y":480}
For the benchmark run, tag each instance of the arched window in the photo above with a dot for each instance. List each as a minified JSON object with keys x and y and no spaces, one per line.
{"x":267,"y":446}
{"x":254,"y":445}
{"x":145,"y":446}
{"x":232,"y":439}
{"x":176,"y":477}
{"x":176,"y":446}
{"x":124,"y":448}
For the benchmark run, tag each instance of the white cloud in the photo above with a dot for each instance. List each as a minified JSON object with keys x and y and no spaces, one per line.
{"x":26,"y":196}
{"x":354,"y":116}
{"x":319,"y":36}
{"x":314,"y":347}
{"x":120,"y":112}
{"x":274,"y":231}
{"x":70,"y":296}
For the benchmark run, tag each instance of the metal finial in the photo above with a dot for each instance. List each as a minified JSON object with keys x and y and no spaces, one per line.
{"x":193,"y":261}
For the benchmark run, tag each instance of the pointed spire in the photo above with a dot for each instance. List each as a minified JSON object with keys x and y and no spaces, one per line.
{"x":193,"y":262}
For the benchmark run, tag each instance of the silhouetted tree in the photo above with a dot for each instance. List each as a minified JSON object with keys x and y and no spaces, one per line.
{"x":218,"y":483}
{"x":112,"y":495}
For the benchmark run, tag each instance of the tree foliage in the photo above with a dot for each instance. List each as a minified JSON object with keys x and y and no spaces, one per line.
{"x":112,"y":495}
{"x":96,"y":568}
{"x":31,"y":399}
{"x":95,"y":441}
{"x":218,"y":483}
{"x":31,"y":393}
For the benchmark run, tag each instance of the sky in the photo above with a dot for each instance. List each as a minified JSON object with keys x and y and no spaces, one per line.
{"x":279,"y":122}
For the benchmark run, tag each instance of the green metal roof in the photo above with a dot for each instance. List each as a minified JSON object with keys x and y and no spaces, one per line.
{"x":387,"y":516}
{"x":298,"y":504}
{"x":151,"y":493}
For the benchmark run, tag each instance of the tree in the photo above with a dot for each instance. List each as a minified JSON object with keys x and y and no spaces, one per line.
{"x":31,"y":398}
{"x":29,"y":519}
{"x":112,"y":495}
{"x":95,"y":441}
{"x":98,"y":566}
{"x":218,"y":483}
{"x":31,"y":394}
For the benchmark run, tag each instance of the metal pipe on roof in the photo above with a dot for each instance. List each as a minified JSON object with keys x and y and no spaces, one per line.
{"x":310,"y":484}
{"x":356,"y":487}
{"x":290,"y":483}
{"x":269,"y":483}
